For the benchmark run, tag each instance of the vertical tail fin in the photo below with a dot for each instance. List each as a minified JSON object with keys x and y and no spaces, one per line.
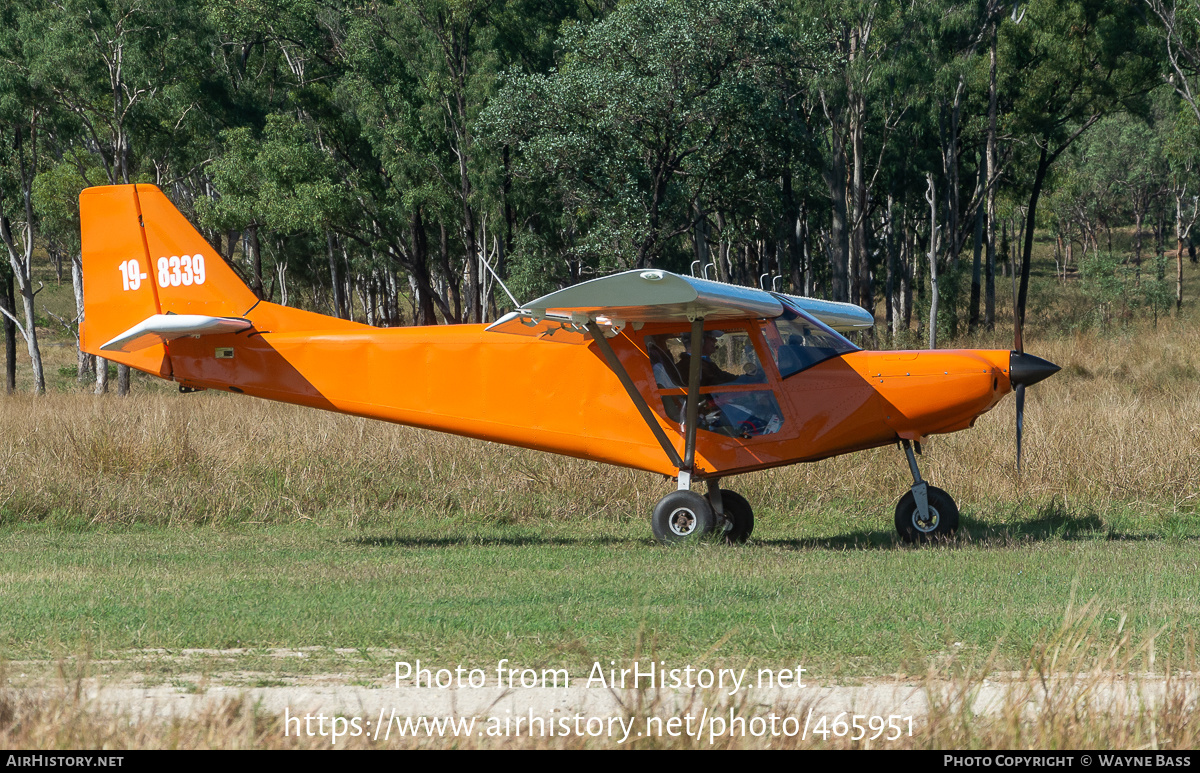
{"x":142,"y":257}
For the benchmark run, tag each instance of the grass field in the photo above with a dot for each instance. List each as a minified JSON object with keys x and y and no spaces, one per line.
{"x":569,"y":597}
{"x":165,"y":522}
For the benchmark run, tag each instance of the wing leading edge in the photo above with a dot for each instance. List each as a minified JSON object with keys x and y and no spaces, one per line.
{"x":641,"y":296}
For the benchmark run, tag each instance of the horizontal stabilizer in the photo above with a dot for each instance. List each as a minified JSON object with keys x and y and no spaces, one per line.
{"x":161,"y":328}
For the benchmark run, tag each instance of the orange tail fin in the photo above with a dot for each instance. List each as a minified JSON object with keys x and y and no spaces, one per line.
{"x":150,"y":278}
{"x":142,"y":257}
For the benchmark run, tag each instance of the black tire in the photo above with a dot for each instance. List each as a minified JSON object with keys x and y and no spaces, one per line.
{"x":943,"y":516}
{"x":740,"y":516}
{"x":681,"y":516}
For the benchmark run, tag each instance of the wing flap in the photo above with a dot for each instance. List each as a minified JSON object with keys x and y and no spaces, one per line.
{"x":160,"y":328}
{"x":549,"y":328}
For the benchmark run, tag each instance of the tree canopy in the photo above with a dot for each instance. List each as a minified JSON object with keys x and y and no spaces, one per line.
{"x":388,"y":160}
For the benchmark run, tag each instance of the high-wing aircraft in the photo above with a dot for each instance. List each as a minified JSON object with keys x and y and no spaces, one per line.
{"x":693,"y":379}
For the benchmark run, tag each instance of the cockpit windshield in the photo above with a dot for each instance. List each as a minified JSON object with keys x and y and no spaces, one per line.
{"x":797,"y":341}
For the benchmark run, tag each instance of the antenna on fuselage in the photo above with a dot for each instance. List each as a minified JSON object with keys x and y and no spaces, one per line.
{"x":513,"y":298}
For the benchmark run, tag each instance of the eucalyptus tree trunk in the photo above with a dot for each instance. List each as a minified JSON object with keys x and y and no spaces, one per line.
{"x":1179,"y":275}
{"x":700,"y":239}
{"x":423,"y":304}
{"x":9,"y":300}
{"x":1183,"y":229}
{"x":950,"y":164}
{"x":838,"y":238}
{"x":85,"y":364}
{"x":453,"y":311}
{"x":254,"y":250}
{"x":931,"y":197}
{"x":834,"y":174}
{"x":860,"y":273}
{"x":101,"y":376}
{"x":892,"y":308}
{"x":335,"y":279}
{"x":791,"y":226}
{"x":976,"y":271}
{"x":989,"y":315}
{"x":20,"y":257}
{"x":1139,"y":217}
{"x":83,"y":359}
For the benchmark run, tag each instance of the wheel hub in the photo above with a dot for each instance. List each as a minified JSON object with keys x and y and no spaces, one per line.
{"x":925,"y":527}
{"x":683,"y":521}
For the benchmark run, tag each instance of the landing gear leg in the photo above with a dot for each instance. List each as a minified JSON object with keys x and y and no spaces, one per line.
{"x":734,"y":516}
{"x":920,"y":489}
{"x":926,"y":512}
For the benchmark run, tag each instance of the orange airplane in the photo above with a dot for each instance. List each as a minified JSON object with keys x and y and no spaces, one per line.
{"x":693,"y":379}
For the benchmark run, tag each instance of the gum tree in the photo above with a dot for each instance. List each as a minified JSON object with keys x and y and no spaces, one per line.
{"x":22,"y":108}
{"x":1069,"y":64}
{"x":633,"y":134}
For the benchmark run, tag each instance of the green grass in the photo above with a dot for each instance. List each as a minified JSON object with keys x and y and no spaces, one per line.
{"x":567,"y":595}
{"x":135,"y":529}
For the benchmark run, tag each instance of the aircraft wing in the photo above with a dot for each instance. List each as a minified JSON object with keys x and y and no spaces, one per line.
{"x":651,"y":295}
{"x":842,"y":317}
{"x":160,"y":328}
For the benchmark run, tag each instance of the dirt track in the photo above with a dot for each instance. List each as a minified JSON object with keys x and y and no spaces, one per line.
{"x":375,"y":693}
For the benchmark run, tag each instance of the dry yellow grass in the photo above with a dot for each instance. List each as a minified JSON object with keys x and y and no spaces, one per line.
{"x":1115,"y":430}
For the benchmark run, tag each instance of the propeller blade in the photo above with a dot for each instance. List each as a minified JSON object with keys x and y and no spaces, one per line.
{"x":1025,"y":370}
{"x":1020,"y":421}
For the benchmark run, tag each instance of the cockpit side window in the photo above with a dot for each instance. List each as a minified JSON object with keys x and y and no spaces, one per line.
{"x":798,"y":342}
{"x":736,"y":414}
{"x":727,"y":357}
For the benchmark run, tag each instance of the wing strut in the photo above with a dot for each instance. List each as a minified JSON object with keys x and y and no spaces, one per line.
{"x":647,"y":415}
{"x":696,"y":354}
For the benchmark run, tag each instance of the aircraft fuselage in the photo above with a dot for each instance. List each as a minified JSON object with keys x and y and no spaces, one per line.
{"x":563,"y":398}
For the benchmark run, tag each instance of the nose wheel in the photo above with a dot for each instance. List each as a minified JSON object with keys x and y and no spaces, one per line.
{"x":938,"y":523}
{"x":926,"y":513}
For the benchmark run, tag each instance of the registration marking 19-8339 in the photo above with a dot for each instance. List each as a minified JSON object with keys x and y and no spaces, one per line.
{"x":174,"y":271}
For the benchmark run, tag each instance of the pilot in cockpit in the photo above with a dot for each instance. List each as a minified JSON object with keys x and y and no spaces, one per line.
{"x":711,"y":374}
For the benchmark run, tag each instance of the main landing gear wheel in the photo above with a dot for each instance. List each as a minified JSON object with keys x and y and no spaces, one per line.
{"x":680,"y":516}
{"x":739,"y":515}
{"x":942,"y":523}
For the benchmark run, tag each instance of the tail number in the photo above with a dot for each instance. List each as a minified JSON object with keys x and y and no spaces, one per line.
{"x":131,"y":275}
{"x":175,"y":271}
